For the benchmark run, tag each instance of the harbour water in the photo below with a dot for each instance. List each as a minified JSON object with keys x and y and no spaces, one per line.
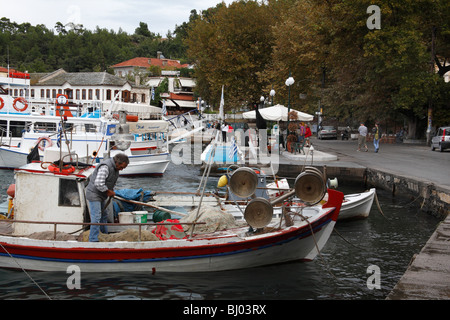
{"x":343,"y":271}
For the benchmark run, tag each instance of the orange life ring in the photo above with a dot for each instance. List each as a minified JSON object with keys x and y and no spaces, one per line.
{"x":66,"y":169}
{"x":47,"y":139}
{"x":23,"y":101}
{"x":2,"y":103}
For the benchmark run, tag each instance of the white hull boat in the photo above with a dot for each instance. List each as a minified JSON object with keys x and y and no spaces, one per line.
{"x":358,"y":205}
{"x":147,"y":157}
{"x":228,"y":248}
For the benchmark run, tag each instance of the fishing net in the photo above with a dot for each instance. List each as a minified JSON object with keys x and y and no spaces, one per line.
{"x":50,"y":235}
{"x":215,"y":219}
{"x":130,"y":235}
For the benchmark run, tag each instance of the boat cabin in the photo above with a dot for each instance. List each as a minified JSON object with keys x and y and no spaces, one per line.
{"x":42,"y":195}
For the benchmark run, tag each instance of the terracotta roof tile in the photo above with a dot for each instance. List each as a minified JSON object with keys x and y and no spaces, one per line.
{"x":175,"y":96}
{"x":147,"y":62}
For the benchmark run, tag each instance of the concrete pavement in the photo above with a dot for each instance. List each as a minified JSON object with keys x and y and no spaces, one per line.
{"x":414,"y":161}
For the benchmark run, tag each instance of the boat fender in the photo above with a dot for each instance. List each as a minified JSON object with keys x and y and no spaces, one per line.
{"x":49,"y":143}
{"x":332,"y":183}
{"x":223,"y":181}
{"x":2,"y":103}
{"x":132,"y":118}
{"x":66,"y":169}
{"x":129,"y":117}
{"x":11,"y":190}
{"x":23,"y":101}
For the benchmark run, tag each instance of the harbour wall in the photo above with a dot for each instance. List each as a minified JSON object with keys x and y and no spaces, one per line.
{"x":431,"y":198}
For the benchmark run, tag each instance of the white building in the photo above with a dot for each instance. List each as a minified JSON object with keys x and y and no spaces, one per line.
{"x":84,"y":88}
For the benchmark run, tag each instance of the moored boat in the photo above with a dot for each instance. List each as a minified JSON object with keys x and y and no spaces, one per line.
{"x":294,"y":236}
{"x":357,"y":205}
{"x":90,"y":143}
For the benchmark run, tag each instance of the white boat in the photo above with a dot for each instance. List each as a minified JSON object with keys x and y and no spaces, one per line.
{"x":234,"y":246}
{"x":357,"y":205}
{"x":354,"y":207}
{"x":91,"y":142}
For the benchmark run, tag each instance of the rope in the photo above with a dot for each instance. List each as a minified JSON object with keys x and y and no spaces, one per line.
{"x":208,"y":169}
{"x":48,"y":297}
{"x":315,"y":242}
{"x":379,"y":207}
{"x":342,"y":237}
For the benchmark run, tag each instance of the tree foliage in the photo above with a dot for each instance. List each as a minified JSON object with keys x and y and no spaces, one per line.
{"x":76,"y":49}
{"x":338,"y":63}
{"x":354,"y":72}
{"x":231,"y":46}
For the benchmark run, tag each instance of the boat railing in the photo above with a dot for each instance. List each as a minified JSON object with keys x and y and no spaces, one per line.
{"x":84,"y":224}
{"x":4,"y":134}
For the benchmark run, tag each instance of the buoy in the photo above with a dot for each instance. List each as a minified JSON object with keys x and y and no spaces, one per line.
{"x":22,"y":101}
{"x":47,"y":139}
{"x":11,"y":190}
{"x":223,"y":181}
{"x":132,"y":118}
{"x":332,"y":183}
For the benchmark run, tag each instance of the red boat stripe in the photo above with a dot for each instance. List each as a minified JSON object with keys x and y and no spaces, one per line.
{"x":156,"y":254}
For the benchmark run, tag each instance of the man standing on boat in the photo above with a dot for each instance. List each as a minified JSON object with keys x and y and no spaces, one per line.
{"x":100,"y":188}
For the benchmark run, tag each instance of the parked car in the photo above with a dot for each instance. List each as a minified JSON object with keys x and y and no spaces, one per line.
{"x":327,"y":132}
{"x":441,"y":140}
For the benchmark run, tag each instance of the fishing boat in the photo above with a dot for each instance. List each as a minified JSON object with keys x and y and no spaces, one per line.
{"x":91,"y":142}
{"x":357,"y":205}
{"x":195,"y":245}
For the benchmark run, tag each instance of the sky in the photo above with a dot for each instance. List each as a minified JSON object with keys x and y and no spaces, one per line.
{"x":160,"y":15}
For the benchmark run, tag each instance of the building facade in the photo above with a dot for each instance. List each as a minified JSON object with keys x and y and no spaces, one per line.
{"x":84,"y":88}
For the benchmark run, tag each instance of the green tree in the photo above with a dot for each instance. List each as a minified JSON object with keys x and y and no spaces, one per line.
{"x":230,"y":46}
{"x":369,"y":74}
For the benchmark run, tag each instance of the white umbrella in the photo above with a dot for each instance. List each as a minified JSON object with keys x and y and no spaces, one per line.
{"x":278,"y":113}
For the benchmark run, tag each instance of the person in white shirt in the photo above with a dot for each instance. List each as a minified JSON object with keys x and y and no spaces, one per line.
{"x":362,"y":137}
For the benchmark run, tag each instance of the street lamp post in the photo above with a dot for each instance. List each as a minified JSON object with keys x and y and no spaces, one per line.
{"x":272,"y":94}
{"x":289,"y":82}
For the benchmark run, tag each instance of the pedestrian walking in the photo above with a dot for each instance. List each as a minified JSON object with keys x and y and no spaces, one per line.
{"x":362,"y":137}
{"x":376,"y":137}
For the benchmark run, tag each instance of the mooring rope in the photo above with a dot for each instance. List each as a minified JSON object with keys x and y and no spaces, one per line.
{"x":379,"y":207}
{"x":48,"y":297}
{"x":315,"y":242}
{"x":342,"y":237}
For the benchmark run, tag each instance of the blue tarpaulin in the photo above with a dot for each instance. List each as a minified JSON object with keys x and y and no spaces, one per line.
{"x":130,"y":194}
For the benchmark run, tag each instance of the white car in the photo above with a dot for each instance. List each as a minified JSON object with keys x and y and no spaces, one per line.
{"x":327,"y":132}
{"x":441,"y":140}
